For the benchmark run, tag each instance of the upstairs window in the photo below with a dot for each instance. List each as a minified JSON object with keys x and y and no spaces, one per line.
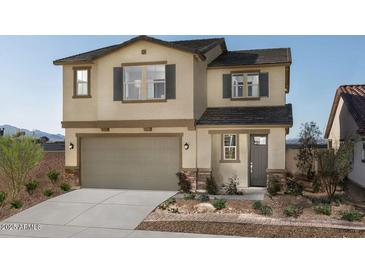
{"x":245,"y":85}
{"x":82,"y":82}
{"x":229,"y":146}
{"x":145,"y":82}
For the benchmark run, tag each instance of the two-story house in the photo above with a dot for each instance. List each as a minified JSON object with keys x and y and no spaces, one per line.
{"x":137,"y":113}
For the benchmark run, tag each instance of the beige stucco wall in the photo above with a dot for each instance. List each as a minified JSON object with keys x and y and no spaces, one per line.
{"x":358,"y":173}
{"x":343,"y":125}
{"x":222,"y":172}
{"x":209,"y":150}
{"x":189,"y":136}
{"x":290,"y":160}
{"x":200,"y":87}
{"x":102,"y":107}
{"x":276,"y":86}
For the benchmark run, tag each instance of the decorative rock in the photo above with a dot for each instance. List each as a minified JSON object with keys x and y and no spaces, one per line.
{"x":204,"y":207}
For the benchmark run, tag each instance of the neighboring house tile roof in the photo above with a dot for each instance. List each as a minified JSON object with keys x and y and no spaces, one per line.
{"x":354,"y":99}
{"x":253,"y":57}
{"x":199,"y":47}
{"x":271,"y":115}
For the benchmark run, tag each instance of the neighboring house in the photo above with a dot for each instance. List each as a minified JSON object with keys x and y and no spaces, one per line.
{"x":347,"y":118}
{"x":136,"y":113}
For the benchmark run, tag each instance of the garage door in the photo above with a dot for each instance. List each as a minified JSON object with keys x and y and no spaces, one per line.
{"x":130,"y":162}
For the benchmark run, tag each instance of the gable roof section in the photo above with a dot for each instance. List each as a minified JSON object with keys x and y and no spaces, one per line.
{"x":253,"y":57}
{"x":354,"y":99}
{"x":273,"y":115}
{"x":199,"y":47}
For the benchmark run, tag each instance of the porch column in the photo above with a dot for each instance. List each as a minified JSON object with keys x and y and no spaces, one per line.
{"x":276,"y":155}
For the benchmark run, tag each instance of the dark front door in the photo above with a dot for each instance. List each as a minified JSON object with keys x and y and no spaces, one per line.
{"x":258,"y":160}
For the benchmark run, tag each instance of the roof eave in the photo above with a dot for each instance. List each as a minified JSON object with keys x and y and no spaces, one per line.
{"x":250,"y":65}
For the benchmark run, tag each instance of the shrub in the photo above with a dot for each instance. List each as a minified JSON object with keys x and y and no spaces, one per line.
{"x":2,"y":198}
{"x":211,"y":186}
{"x":65,"y":186}
{"x":203,"y":198}
{"x":173,"y":210}
{"x":266,"y":210}
{"x":316,"y":185}
{"x":167,"y":203}
{"x":294,"y":188}
{"x":293,"y":211}
{"x":184,"y":183}
{"x":352,"y":215}
{"x":320,"y":200}
{"x":53,"y":175}
{"x":18,"y":156}
{"x":31,"y":186}
{"x":324,"y":209}
{"x":48,"y":193}
{"x":273,"y":187}
{"x":338,"y":199}
{"x":257,"y":205}
{"x":189,"y":196}
{"x":16,"y":204}
{"x":219,"y":203}
{"x":231,"y":187}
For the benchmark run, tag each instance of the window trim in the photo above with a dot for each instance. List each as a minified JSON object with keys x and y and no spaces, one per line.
{"x":88,"y":95}
{"x":245,"y":96}
{"x":237,"y":146}
{"x":143,"y":96}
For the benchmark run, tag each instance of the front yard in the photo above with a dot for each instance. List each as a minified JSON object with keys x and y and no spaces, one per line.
{"x":282,"y":215}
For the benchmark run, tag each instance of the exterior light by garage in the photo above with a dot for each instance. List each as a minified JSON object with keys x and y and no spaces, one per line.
{"x":71,"y":146}
{"x":186,"y":146}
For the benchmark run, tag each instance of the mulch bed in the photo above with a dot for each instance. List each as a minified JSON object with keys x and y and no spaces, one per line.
{"x":250,"y":230}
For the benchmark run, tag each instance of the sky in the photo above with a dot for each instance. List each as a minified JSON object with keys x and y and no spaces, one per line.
{"x":31,"y":86}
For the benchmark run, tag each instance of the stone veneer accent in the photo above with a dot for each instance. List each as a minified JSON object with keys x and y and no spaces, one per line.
{"x":197,"y":178}
{"x":278,"y":174}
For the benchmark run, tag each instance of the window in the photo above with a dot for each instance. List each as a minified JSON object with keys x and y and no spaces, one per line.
{"x":363,"y":153}
{"x":229,"y":146}
{"x":82,"y":82}
{"x":245,"y":85}
{"x":133,"y":82}
{"x":259,"y":140}
{"x":156,"y":81}
{"x":144,"y":82}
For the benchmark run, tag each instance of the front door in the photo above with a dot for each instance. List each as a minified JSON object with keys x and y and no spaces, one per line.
{"x":258,"y":160}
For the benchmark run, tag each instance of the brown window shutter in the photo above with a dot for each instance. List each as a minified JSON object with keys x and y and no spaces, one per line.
{"x":118,"y":84}
{"x":170,"y":74}
{"x":227,"y":85}
{"x":264,"y":84}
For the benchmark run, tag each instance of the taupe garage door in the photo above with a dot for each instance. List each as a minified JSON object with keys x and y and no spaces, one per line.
{"x":130,"y":162}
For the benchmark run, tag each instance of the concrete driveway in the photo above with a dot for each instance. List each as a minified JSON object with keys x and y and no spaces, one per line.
{"x":90,"y":213}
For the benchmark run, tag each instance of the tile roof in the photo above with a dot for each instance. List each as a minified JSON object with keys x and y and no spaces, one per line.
{"x":199,"y":46}
{"x":354,"y":99}
{"x":273,"y":115}
{"x":252,"y":57}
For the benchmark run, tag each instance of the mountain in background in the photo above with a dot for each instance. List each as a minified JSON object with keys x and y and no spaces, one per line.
{"x":11,"y":130}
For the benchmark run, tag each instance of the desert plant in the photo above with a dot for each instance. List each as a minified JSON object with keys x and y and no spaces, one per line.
{"x":257,"y":205}
{"x":167,"y":203}
{"x":293,"y":187}
{"x":352,"y":215}
{"x":65,"y":186}
{"x":219,"y":203}
{"x":184,"y":182}
{"x":211,"y":185}
{"x":189,"y":196}
{"x":18,"y":156}
{"x":16,"y":204}
{"x":308,"y":138}
{"x":334,"y":166}
{"x":203,"y":198}
{"x":266,"y":210}
{"x":273,"y":186}
{"x":293,"y":211}
{"x":3,"y":196}
{"x":231,"y":187}
{"x":324,"y":209}
{"x":48,"y":193}
{"x":31,"y":186}
{"x":53,"y":175}
{"x":173,"y":210}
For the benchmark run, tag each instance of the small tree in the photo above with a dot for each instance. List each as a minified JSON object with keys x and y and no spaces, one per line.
{"x":308,"y":138}
{"x":334,"y":166}
{"x":18,"y":156}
